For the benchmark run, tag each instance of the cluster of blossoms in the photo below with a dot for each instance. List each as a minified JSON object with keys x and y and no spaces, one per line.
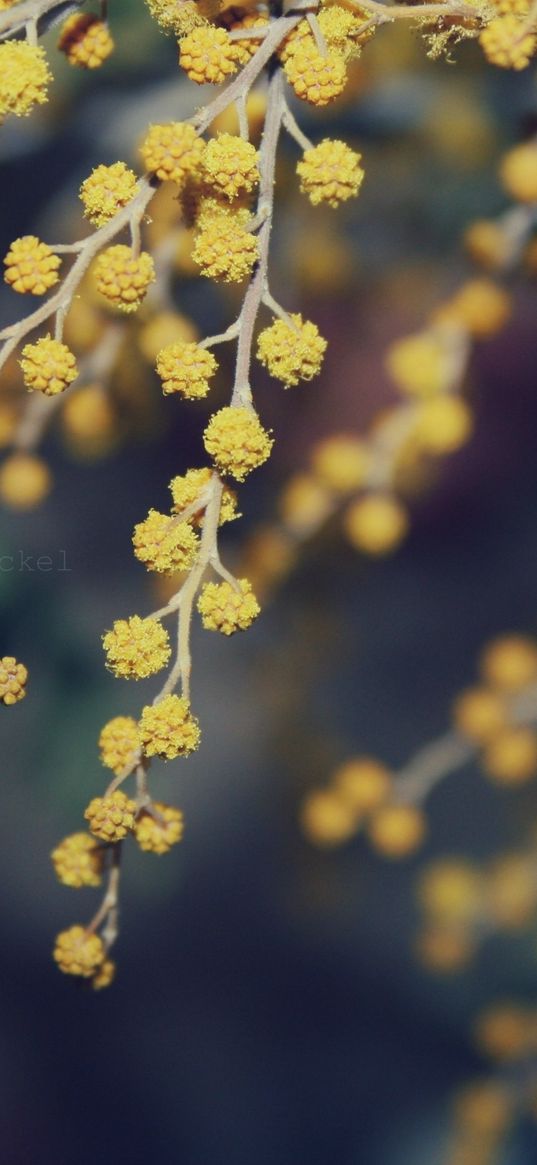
{"x":463,"y":903}
{"x":25,"y":75}
{"x":13,"y":678}
{"x":488,"y":715}
{"x":492,"y":724}
{"x":224,"y":185}
{"x":137,"y":648}
{"x":366,"y":477}
{"x":362,"y":794}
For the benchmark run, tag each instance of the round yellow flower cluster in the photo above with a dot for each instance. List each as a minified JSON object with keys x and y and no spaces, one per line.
{"x":420,"y":364}
{"x":227,"y":608}
{"x":458,"y":898}
{"x":341,"y":29}
{"x":480,"y":307}
{"x":338,"y":26}
{"x":484,"y":714}
{"x":341,"y":463}
{"x":304,"y":504}
{"x":48,"y":366}
{"x":245,"y":49}
{"x":315,"y":78}
{"x":13,"y":678}
{"x":24,"y":77}
{"x":167,"y":729}
{"x":237,"y":441}
{"x":31,"y":266}
{"x":208,"y":55}
{"x":106,"y":191}
{"x":173,"y":152}
{"x":291,"y":351}
{"x":162,"y":329}
{"x":506,"y":43}
{"x":181,"y":16}
{"x":164,"y":543}
{"x":330,"y":172}
{"x":376,"y":524}
{"x":88,"y":421}
{"x":360,"y":796}
{"x":119,"y":744}
{"x":78,"y":952}
{"x":518,"y":172}
{"x":442,"y":425}
{"x":85,"y":40}
{"x":136,"y":648}
{"x":78,"y":861}
{"x":192,"y":487}
{"x":397,"y":831}
{"x":156,"y":831}
{"x":452,"y":895}
{"x":123,"y":277}
{"x":230,"y":165}
{"x":224,"y":248}
{"x":486,"y":244}
{"x":24,"y":481}
{"x":186,"y":368}
{"x":111,"y":818}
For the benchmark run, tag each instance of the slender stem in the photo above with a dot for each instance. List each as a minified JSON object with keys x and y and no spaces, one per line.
{"x":220,"y":569}
{"x":183,"y":665}
{"x":258,"y":283}
{"x":143,"y":798}
{"x":244,"y":80}
{"x":278,"y":310}
{"x":318,"y":37}
{"x":62,"y":299}
{"x":430,"y":765}
{"x":293,"y":129}
{"x":244,"y":128}
{"x":67,"y":248}
{"x":109,"y":902}
{"x":231,"y":333}
{"x":387,"y":12}
{"x":258,"y":33}
{"x":31,"y":32}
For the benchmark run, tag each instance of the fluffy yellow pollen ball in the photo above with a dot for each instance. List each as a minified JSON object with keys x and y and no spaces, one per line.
{"x":511,"y":757}
{"x":304,"y":504}
{"x":479,"y":713}
{"x":510,"y":663}
{"x":326,"y":819}
{"x":451,"y":891}
{"x":363,"y":784}
{"x":481,"y":307}
{"x":375,"y":524}
{"x":512,"y":890}
{"x":25,"y":480}
{"x":341,"y":463}
{"x":443,"y":425}
{"x":419,"y":365}
{"x":397,"y":831}
{"x":518,"y":172}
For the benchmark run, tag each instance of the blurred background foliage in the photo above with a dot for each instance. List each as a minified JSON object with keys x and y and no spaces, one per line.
{"x":270,"y":1006}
